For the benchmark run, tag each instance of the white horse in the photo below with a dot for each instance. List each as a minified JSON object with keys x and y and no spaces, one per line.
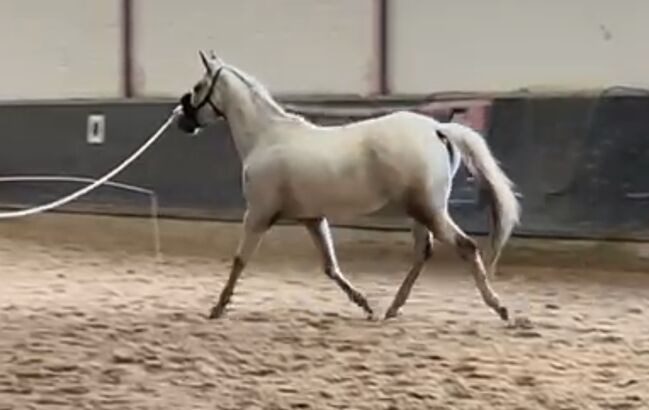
{"x":295,"y":169}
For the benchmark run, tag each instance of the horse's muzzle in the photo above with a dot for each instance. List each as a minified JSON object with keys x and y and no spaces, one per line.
{"x":187,"y":124}
{"x":187,"y":121}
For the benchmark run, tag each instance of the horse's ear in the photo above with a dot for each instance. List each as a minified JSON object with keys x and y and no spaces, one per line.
{"x":206,"y":63}
{"x":215,"y":58}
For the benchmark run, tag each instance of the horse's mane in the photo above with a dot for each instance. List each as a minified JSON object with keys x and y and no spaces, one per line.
{"x":261,"y":92}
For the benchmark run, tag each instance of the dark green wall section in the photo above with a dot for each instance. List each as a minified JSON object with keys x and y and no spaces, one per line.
{"x":581,"y":164}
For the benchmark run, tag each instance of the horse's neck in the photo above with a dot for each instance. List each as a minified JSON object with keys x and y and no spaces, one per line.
{"x":248,"y":117}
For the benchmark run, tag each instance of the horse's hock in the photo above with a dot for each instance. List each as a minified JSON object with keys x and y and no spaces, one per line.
{"x":88,"y":318}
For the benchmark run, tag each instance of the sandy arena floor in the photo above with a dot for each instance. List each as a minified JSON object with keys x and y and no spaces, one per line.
{"x":88,"y":320}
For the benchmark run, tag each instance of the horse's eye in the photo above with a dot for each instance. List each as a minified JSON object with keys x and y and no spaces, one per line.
{"x":197,"y":88}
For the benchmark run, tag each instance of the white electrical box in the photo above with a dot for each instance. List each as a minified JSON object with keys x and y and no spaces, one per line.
{"x":96,"y":129}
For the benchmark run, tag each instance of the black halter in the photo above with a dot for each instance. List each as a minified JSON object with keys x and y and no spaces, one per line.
{"x":190,"y":120}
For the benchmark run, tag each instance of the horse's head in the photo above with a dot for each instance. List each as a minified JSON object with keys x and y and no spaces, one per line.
{"x":204,"y":103}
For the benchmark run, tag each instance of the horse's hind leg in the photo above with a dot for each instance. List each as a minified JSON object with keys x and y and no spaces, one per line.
{"x":446,"y":230}
{"x":423,"y":251}
{"x":254,"y":229}
{"x":321,"y":235}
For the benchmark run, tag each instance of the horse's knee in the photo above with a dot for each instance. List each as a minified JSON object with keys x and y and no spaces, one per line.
{"x":466,"y":246}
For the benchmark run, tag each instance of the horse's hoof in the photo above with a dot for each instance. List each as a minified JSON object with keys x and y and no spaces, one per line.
{"x":503,"y":313}
{"x":369,"y":313}
{"x":390,"y":314}
{"x":216,"y":312}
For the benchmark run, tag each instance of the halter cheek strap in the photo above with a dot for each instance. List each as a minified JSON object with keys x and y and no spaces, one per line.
{"x":190,"y":111}
{"x":208,"y":96}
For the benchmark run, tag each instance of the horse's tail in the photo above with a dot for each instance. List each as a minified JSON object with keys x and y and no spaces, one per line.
{"x":504,"y":207}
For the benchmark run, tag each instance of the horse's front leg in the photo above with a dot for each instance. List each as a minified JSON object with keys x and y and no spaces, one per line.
{"x":254,"y":228}
{"x":321,"y":235}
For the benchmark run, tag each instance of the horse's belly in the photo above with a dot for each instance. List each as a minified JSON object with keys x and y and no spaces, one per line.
{"x":336,"y":181}
{"x":338,"y":201}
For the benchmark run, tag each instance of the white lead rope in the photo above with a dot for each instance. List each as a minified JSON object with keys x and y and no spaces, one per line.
{"x":81,"y":192}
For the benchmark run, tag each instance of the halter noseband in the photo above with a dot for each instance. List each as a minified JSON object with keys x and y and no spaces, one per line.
{"x":190,"y":111}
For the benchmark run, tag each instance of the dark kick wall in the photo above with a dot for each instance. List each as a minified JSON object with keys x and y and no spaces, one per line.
{"x":581,"y":164}
{"x":190,"y":175}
